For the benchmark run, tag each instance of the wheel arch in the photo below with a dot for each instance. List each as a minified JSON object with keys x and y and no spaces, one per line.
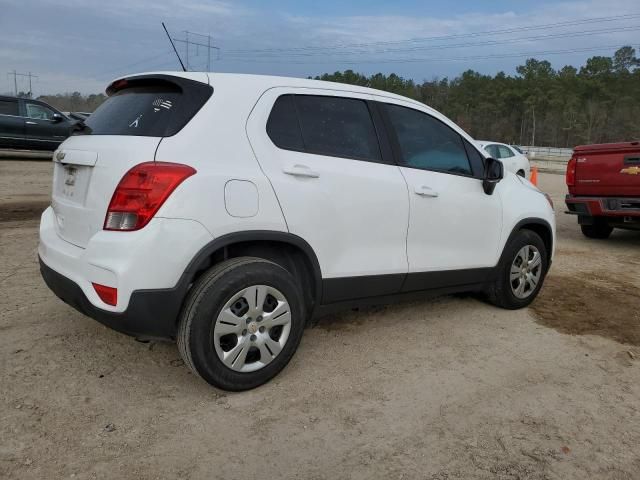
{"x":288,"y":250}
{"x":537,"y":225}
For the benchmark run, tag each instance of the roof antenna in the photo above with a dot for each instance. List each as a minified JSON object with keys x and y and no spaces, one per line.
{"x":174,"y":47}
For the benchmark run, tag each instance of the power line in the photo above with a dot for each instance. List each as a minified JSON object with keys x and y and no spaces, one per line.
{"x":443,"y":37}
{"x":444,"y":59}
{"x":459,"y":45}
{"x":209,"y":46}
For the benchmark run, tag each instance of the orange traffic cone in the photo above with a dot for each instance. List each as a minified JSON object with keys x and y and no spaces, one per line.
{"x":534,"y":176}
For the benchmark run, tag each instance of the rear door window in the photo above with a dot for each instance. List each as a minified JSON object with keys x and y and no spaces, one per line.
{"x":148,"y":107}
{"x":337,"y":126}
{"x":324,"y":125}
{"x":9,"y":107}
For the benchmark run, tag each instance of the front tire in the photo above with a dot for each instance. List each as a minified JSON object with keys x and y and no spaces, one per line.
{"x":520,"y":272}
{"x":241,"y":323}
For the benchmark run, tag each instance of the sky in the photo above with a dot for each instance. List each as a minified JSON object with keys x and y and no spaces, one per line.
{"x":81,"y":45}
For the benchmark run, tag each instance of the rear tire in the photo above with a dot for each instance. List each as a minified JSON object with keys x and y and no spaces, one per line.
{"x":241,"y":323}
{"x":599,"y":229}
{"x":520,"y":272}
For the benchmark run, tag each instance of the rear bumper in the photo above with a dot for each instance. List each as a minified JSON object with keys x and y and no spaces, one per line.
{"x":146,"y":266}
{"x":603,"y":207}
{"x":150,"y":314}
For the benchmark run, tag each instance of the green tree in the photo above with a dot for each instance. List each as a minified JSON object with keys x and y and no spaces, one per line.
{"x":598,"y":102}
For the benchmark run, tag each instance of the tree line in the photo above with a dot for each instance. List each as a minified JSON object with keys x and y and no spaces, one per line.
{"x":74,"y":102}
{"x":597,"y":103}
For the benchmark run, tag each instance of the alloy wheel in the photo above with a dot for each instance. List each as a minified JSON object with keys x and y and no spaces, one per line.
{"x":526,"y":271}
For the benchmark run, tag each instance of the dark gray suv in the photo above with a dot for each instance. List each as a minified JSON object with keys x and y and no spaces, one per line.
{"x":31,"y":124}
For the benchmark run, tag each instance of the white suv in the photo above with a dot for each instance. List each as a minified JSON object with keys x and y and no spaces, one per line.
{"x":225,"y":211}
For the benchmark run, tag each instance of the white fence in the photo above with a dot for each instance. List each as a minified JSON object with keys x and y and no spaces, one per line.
{"x":551,"y":153}
{"x":548,"y":159}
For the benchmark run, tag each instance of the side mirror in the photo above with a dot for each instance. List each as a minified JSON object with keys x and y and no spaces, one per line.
{"x":57,"y":118}
{"x":493,"y":173}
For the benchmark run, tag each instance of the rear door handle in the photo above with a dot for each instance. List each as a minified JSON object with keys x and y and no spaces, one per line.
{"x":301,"y":171}
{"x":425,"y":191}
{"x":28,"y":122}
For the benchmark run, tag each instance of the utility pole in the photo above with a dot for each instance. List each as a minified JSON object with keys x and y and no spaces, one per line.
{"x":199,"y":43}
{"x":15,"y":81}
{"x":533,"y":132}
{"x":30,"y":88}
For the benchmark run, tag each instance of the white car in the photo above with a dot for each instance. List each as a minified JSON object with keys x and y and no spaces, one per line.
{"x":225,"y":211}
{"x":514,"y":159}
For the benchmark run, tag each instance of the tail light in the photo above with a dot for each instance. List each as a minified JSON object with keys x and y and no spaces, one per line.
{"x":141,"y":192}
{"x":571,"y":172}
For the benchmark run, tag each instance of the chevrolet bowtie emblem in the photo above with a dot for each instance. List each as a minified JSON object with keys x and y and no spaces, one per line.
{"x":60,"y":156}
{"x":631,"y":170}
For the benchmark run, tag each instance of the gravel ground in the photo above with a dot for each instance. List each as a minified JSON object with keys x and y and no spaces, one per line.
{"x":441,"y":389}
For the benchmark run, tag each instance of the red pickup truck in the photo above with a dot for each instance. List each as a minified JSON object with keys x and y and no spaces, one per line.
{"x":604,"y":187}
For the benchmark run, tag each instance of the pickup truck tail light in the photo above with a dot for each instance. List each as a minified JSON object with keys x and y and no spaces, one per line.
{"x":141,"y":192}
{"x":571,"y":172}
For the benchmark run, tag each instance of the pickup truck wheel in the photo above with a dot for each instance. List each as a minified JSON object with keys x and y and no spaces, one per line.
{"x":241,"y":323}
{"x":520,"y":272}
{"x":599,"y":229}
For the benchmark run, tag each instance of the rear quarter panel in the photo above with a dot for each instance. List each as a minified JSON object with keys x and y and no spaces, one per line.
{"x":215,"y":143}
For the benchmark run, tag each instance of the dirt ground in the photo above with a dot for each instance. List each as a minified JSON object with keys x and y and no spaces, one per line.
{"x":448,"y":388}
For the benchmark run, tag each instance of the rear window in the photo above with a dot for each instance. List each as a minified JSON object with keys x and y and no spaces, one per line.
{"x":148,"y":107}
{"x":9,"y":107}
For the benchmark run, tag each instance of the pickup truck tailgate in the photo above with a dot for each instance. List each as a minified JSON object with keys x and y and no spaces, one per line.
{"x":607,"y":170}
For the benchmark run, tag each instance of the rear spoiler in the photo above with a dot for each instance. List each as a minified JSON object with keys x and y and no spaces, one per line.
{"x":157,"y":80}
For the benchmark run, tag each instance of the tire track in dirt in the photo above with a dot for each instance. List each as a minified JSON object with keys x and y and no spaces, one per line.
{"x":20,"y":211}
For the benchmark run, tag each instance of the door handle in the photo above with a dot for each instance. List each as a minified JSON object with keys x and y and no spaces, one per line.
{"x":425,"y":191}
{"x":301,"y":171}
{"x":28,"y":122}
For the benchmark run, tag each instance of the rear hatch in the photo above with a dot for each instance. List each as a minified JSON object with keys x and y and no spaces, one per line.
{"x":123,"y":132}
{"x":607,"y":170}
